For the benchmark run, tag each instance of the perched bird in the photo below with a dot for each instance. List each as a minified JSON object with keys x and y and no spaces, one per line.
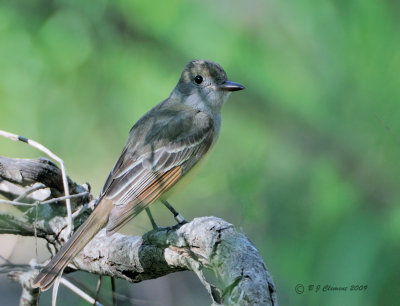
{"x":162,"y":147}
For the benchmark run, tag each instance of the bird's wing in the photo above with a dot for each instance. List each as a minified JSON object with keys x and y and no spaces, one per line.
{"x":162,"y":147}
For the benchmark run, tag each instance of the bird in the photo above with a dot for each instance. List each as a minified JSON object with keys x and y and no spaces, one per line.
{"x":162,"y":147}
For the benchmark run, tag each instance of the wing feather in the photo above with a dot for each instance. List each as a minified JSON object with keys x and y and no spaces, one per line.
{"x":121,"y":214}
{"x":149,"y":166}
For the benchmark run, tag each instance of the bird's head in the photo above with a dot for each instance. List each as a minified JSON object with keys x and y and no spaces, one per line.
{"x":205,"y":84}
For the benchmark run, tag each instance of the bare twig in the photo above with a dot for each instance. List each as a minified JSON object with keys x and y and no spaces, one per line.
{"x":114,"y":297}
{"x":16,"y":203}
{"x":35,"y":230}
{"x":98,"y":287}
{"x":29,"y":191}
{"x":82,"y":194}
{"x":83,"y":209}
{"x":79,"y":292}
{"x":214,"y":292}
{"x":121,"y":297}
{"x":45,"y":202}
{"x":54,"y":293}
{"x":45,"y":150}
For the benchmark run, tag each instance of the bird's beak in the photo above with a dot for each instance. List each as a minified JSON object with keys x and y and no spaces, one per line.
{"x":231,"y":86}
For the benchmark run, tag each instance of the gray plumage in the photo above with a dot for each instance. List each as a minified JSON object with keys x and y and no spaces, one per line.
{"x":162,"y":147}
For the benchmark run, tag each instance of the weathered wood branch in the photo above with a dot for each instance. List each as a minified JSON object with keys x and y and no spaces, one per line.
{"x":204,"y":243}
{"x":29,"y":295}
{"x":28,"y":171}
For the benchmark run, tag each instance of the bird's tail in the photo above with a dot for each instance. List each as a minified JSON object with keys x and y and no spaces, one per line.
{"x":96,"y":220}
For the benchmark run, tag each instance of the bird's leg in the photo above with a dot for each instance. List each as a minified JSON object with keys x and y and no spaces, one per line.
{"x":178,"y":217}
{"x":153,"y":223}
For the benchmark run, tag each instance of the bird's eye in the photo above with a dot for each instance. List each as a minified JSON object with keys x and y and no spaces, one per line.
{"x":198,"y":79}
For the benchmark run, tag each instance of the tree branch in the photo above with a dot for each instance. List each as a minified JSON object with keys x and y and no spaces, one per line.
{"x":30,"y":295}
{"x":204,"y":243}
{"x":25,"y":172}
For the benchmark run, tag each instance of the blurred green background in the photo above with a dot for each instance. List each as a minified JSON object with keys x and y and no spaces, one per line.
{"x":307,"y":162}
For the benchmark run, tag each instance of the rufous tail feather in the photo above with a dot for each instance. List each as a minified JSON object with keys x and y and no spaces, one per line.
{"x":96,"y":220}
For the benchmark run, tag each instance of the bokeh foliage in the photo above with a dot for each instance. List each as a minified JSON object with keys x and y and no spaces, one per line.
{"x":307,"y":161}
